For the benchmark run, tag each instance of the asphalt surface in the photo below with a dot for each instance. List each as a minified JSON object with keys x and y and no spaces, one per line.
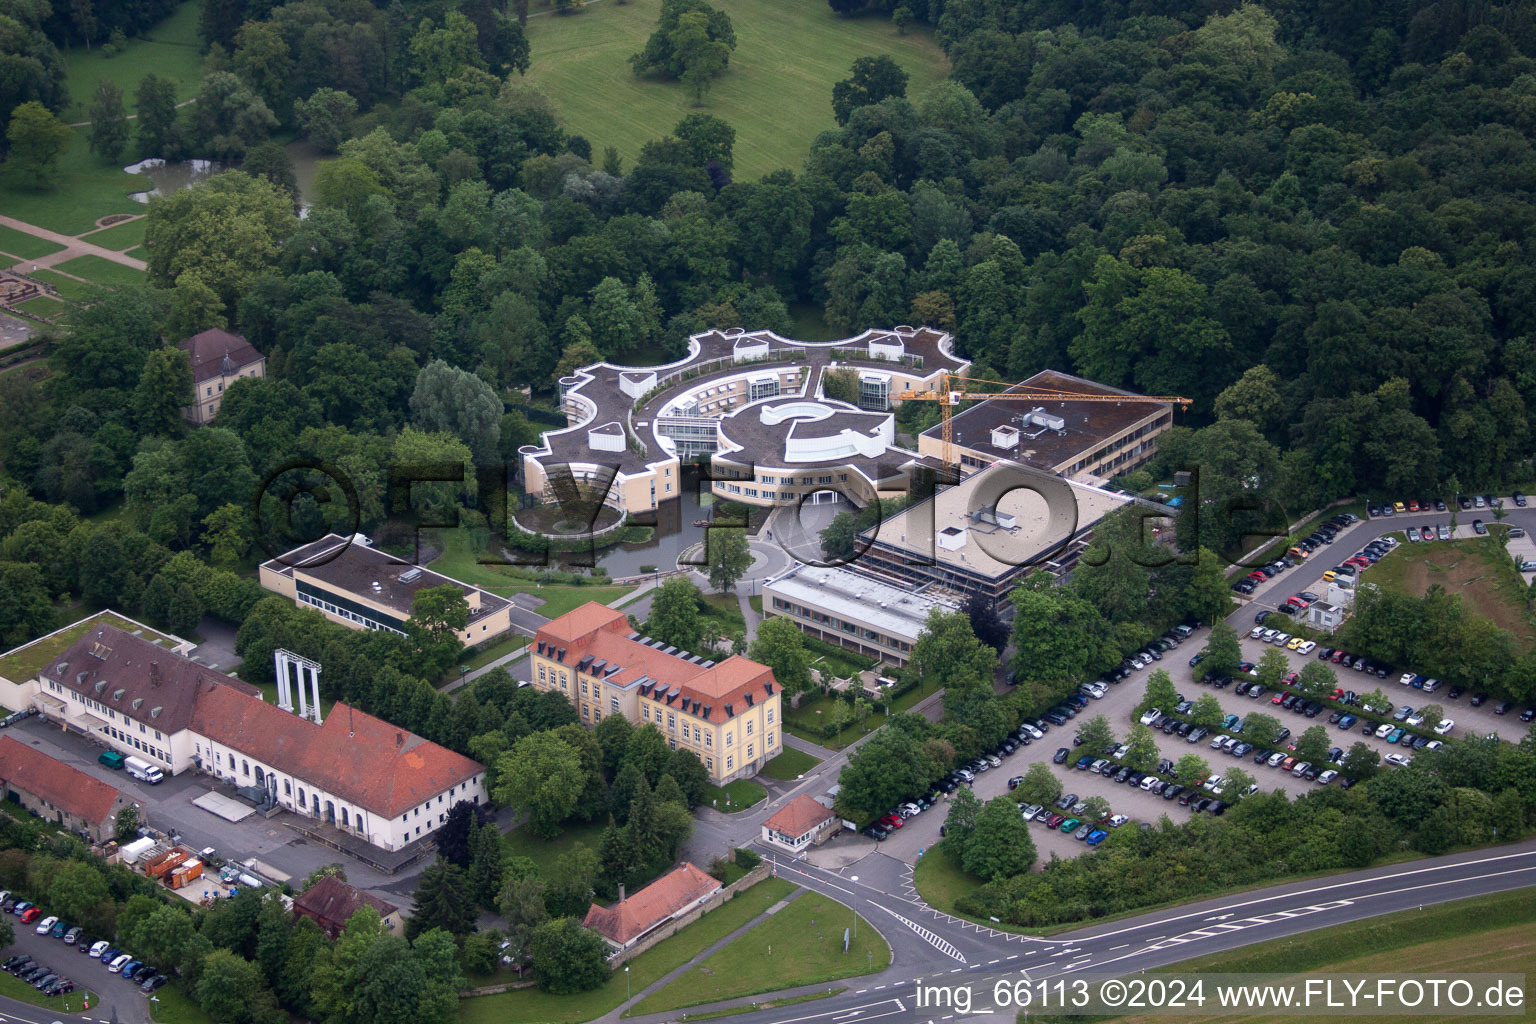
{"x":112,"y":998}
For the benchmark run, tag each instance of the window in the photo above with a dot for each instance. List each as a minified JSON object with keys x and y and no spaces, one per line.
{"x":613,"y":705}
{"x":770,"y":716}
{"x":730,"y":762}
{"x":671,"y":720}
{"x":749,"y":728}
{"x":645,"y":712}
{"x":730,"y":739}
{"x":770,"y":741}
{"x":750,"y":754}
{"x":685,"y":730}
{"x":709,"y":739}
{"x":709,"y":764}
{"x":541,"y":673}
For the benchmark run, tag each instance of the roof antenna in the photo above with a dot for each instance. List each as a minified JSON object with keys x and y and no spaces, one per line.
{"x":349,"y":721}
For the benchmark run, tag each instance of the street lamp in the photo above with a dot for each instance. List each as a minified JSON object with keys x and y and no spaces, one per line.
{"x":626,"y":983}
{"x":855,"y":878}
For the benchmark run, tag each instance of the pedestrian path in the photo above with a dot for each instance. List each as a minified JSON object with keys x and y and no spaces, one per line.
{"x":72,"y":247}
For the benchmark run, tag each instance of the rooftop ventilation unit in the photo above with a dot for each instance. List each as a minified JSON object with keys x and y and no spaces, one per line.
{"x":411,"y":575}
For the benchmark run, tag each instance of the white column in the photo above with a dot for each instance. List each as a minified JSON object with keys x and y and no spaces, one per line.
{"x":284,"y":685}
{"x":303,"y":701}
{"x":314,"y":682}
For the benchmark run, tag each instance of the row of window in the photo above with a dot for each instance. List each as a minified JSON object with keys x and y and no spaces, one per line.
{"x":96,"y":705}
{"x":853,"y":628}
{"x":137,"y":744}
{"x":1117,"y":445}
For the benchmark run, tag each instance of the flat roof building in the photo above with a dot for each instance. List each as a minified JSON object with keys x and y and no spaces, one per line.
{"x":355,"y":584}
{"x":854,"y":610}
{"x":988,"y":532}
{"x":1087,"y":441}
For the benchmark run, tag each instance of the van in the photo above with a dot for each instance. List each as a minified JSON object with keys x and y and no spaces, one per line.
{"x":111,"y":758}
{"x":144,"y":771}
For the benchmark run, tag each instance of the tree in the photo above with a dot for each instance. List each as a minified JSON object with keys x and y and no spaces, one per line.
{"x":1261,"y":728}
{"x":326,"y":117}
{"x":228,"y":986}
{"x":127,"y":825}
{"x":453,"y":835}
{"x":164,"y":389}
{"x":155,"y":100}
{"x":37,"y":140}
{"x":1159,"y":693}
{"x":1222,"y":650}
{"x":1361,"y":762}
{"x":874,"y":79}
{"x":1207,"y":711}
{"x":902,"y":17}
{"x":1040,"y":785}
{"x":1207,"y":594}
{"x":780,"y":645}
{"x":689,"y":35}
{"x":1192,"y":769}
{"x":109,"y":122}
{"x":1000,"y":846}
{"x":729,"y":557}
{"x":960,"y":823}
{"x":1097,"y":809}
{"x":438,"y":614}
{"x":1316,"y":679}
{"x":443,"y":900}
{"x":709,"y":139}
{"x":988,"y":627}
{"x":1272,"y":666}
{"x":457,"y":402}
{"x":1096,"y":733}
{"x":194,"y":307}
{"x":521,"y":905}
{"x":485,"y":864}
{"x":1143,"y":752}
{"x":542,"y":775}
{"x":568,"y":957}
{"x":1313,"y":745}
{"x":77,"y":889}
{"x":1433,"y":715}
{"x":674,"y":616}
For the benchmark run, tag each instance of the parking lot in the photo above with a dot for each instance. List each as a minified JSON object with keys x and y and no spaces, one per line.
{"x":115,"y":998}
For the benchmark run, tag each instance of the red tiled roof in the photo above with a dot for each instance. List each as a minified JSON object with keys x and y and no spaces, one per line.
{"x":207,"y":351}
{"x":631,"y":918}
{"x":332,"y":902}
{"x":362,"y":759}
{"x":799,"y":816}
{"x":603,"y":633}
{"x":63,"y":786}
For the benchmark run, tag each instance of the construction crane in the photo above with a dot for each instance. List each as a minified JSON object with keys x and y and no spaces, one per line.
{"x":949,"y":395}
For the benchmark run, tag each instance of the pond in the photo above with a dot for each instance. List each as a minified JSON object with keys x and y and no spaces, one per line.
{"x":167,"y":176}
{"x":675,"y":533}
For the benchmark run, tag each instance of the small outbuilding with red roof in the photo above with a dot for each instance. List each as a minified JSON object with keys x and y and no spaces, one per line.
{"x":59,"y":792}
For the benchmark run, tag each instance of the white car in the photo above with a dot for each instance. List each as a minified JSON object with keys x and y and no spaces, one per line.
{"x":1433,"y":745}
{"x":1445,"y":726}
{"x":1139,"y":662}
{"x":1151,"y":713}
{"x":1035,"y":733}
{"x":1150,"y":781}
{"x":1301,"y":769}
{"x":99,"y":948}
{"x":1384,"y":730}
{"x":1094,"y":690}
{"x":1407,"y":678}
{"x":1217,"y":741}
{"x":46,"y":925}
{"x":1117,"y":820}
{"x":1416,"y":719}
{"x":1327,"y":777}
{"x":910,"y":810}
{"x":117,"y":964}
{"x":1307,"y":647}
{"x":966,"y":774}
{"x":1398,"y":760}
{"x":992,"y":760}
{"x":1028,"y":811}
{"x":1256,"y":632}
{"x":1212,"y":782}
{"x":1268,"y":635}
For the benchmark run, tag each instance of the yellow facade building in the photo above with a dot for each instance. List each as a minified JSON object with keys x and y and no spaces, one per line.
{"x":727,"y":712}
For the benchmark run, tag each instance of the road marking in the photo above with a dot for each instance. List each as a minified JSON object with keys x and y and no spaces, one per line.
{"x":1121,"y":946}
{"x":891,"y":1006}
{"x":928,"y":936}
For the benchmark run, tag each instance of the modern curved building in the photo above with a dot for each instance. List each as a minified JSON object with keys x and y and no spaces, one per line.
{"x":757,"y":404}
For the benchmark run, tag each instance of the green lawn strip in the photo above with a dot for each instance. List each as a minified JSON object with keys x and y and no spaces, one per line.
{"x":119,"y":236}
{"x":24,"y":246}
{"x":776,"y":92}
{"x":102,"y":271}
{"x":67,"y":286}
{"x":790,"y":764}
{"x":79,"y":193}
{"x":19,"y":990}
{"x":1318,"y":949}
{"x":731,"y":1011}
{"x":170,"y":49}
{"x":802,"y":944}
{"x":735,"y":796}
{"x":530,"y":1006}
{"x":174,"y":1007}
{"x":459,"y":561}
{"x":756,"y":601}
{"x":43,"y":306}
{"x":488,"y":653}
{"x":560,"y":599}
{"x":725,"y":609}
{"x":545,"y":853}
{"x":1476,"y":568}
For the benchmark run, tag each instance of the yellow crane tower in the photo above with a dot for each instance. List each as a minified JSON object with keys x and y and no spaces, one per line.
{"x":949,"y":395}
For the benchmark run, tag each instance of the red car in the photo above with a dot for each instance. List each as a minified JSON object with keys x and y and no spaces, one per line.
{"x":1055,"y":820}
{"x":1338,"y":656}
{"x":892,"y":821}
{"x":1413,"y":506}
{"x":31,"y":915}
{"x":1300,"y":602}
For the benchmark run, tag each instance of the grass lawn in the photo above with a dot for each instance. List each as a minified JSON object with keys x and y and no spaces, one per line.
{"x":458,"y":560}
{"x":1476,"y":568}
{"x":1488,"y":933}
{"x":169,"y":49}
{"x":777,"y":92}
{"x":44,"y":307}
{"x":176,"y":1008}
{"x":120,"y":236}
{"x":19,"y":990}
{"x":67,"y":286}
{"x":521,"y":842}
{"x":941,"y":880}
{"x":102,"y":271}
{"x":767,"y":1004}
{"x":79,"y":193}
{"x":800,"y":945}
{"x":735,"y":796}
{"x":490,"y":652}
{"x":24,"y":246}
{"x":725,"y":609}
{"x":530,"y":1006}
{"x":756,"y":601}
{"x":791,"y":764}
{"x":269,"y":694}
{"x":560,"y":599}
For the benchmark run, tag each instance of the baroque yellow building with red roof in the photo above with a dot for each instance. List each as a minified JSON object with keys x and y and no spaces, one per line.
{"x":727,"y":712}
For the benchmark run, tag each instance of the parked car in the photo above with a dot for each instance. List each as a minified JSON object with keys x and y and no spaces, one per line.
{"x":1062,"y":753}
